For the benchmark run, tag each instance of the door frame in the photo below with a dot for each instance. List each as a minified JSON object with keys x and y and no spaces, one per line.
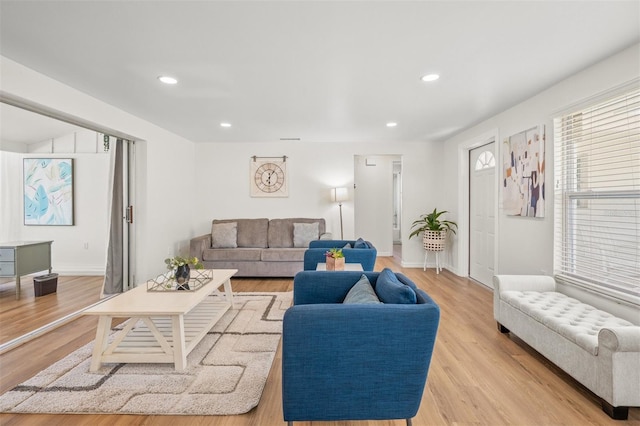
{"x":463,"y":199}
{"x":25,"y":104}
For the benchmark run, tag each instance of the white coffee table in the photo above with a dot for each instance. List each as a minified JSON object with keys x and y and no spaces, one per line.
{"x":174,"y":322}
{"x":347,"y":267}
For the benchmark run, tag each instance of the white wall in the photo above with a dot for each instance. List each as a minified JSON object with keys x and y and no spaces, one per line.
{"x":78,"y":249}
{"x":314,"y":168}
{"x":164,"y":163}
{"x":525,"y":245}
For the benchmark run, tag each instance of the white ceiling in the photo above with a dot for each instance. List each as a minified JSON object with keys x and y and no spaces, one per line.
{"x":24,"y":127}
{"x":330,"y":71}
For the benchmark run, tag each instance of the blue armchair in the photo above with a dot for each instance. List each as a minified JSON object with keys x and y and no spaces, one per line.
{"x":354,"y":361}
{"x":366,"y":256}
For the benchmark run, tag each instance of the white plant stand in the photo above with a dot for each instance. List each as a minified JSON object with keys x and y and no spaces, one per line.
{"x":434,"y":242}
{"x":426,"y":255}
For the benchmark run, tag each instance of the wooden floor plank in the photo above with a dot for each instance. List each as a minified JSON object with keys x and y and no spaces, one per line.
{"x":478,"y":376}
{"x":18,"y":317}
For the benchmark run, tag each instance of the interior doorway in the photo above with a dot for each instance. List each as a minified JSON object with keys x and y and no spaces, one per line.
{"x":482,"y":166}
{"x":374,"y":195}
{"x":70,"y":137}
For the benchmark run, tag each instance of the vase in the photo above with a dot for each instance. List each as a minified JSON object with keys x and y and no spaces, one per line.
{"x":182,"y":277}
{"x":335,"y":264}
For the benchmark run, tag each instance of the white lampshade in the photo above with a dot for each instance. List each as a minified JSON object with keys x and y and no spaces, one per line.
{"x":340,"y":195}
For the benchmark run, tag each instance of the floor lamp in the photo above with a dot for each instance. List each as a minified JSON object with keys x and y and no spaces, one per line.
{"x":340,"y":195}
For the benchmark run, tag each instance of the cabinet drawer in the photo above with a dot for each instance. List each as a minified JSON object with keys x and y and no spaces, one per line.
{"x":7,"y":269}
{"x":7,"y":255}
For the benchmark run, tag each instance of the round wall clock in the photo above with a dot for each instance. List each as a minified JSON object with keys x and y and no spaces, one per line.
{"x":268,"y":179}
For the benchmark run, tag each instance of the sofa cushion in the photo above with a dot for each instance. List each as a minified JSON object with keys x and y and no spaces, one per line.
{"x":572,"y":319}
{"x":236,"y":254}
{"x":281,"y":231}
{"x":282,"y":255}
{"x":251,"y":232}
{"x":304,"y":233}
{"x":224,"y":235}
{"x":362,"y":293}
{"x":360,"y":243}
{"x":390,"y":290}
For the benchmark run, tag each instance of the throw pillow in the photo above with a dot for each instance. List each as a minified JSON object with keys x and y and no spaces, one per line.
{"x":347,"y":246}
{"x":360,"y":243}
{"x":362,"y":293}
{"x":390,"y":290}
{"x":304,"y":233}
{"x":224,"y":235}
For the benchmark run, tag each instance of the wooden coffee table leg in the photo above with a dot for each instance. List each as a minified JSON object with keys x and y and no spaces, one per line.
{"x":100,"y":344}
{"x":179,"y":344}
{"x":228,"y":292}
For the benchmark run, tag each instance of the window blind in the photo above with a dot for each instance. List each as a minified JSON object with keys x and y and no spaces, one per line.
{"x":597,"y":197}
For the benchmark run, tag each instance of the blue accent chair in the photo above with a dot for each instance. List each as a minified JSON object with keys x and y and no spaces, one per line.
{"x":366,"y":256}
{"x":355,"y":361}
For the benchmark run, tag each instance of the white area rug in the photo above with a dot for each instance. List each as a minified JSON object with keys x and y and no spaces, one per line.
{"x":226,"y":372}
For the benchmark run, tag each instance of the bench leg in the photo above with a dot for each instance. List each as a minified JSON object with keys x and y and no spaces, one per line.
{"x":502,"y":328}
{"x":616,"y":413}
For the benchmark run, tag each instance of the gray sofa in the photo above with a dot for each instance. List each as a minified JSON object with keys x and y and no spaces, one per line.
{"x":258,"y":247}
{"x":596,"y":348}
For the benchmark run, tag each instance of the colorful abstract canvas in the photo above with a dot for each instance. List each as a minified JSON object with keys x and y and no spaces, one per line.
{"x":523,"y":173}
{"x":48,"y":191}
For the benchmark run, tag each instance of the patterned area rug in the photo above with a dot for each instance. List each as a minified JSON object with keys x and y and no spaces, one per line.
{"x":226,"y":372}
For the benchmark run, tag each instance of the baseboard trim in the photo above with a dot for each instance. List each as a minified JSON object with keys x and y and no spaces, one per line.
{"x":76,"y":272}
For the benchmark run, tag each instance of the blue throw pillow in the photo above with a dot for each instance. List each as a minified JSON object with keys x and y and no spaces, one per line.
{"x":390,"y":290}
{"x":362,"y":293}
{"x":360,"y":243}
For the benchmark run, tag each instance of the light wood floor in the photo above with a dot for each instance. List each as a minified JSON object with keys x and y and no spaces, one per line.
{"x":477,"y":376}
{"x":24,"y":315}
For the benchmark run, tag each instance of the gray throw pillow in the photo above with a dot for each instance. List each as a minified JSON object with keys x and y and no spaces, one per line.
{"x":304,"y":233}
{"x":362,"y":293}
{"x":224,"y":235}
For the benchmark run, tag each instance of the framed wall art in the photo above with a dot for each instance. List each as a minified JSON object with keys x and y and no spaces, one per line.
{"x":523,"y":180}
{"x":48,"y":191}
{"x":268,"y":177}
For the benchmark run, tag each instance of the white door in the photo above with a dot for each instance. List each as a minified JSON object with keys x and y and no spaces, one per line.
{"x":373,"y":200}
{"x":482,"y":167}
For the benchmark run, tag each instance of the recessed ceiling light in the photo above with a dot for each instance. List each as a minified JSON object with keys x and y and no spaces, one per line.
{"x":430,"y":77}
{"x":167,"y":80}
{"x":392,"y":124}
{"x":225,"y":124}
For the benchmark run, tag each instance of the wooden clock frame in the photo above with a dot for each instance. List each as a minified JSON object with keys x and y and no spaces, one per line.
{"x":268,"y":177}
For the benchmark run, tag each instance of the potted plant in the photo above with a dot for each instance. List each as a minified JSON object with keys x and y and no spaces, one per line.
{"x":434,"y":229}
{"x":334,"y":259}
{"x":181,"y":267}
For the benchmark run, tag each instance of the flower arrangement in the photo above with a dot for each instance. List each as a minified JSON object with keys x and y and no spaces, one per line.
{"x":335,"y":253}
{"x":335,"y":259}
{"x":175,"y":262}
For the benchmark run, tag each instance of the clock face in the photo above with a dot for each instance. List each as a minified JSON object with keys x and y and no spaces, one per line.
{"x":269,"y":177}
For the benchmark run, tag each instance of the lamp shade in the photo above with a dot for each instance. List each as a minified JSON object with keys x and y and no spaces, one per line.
{"x":340,"y":195}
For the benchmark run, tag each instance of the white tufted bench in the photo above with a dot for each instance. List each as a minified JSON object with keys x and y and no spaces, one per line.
{"x":598,"y":349}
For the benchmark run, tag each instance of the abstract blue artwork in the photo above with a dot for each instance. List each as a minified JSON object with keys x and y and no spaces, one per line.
{"x":48,"y":191}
